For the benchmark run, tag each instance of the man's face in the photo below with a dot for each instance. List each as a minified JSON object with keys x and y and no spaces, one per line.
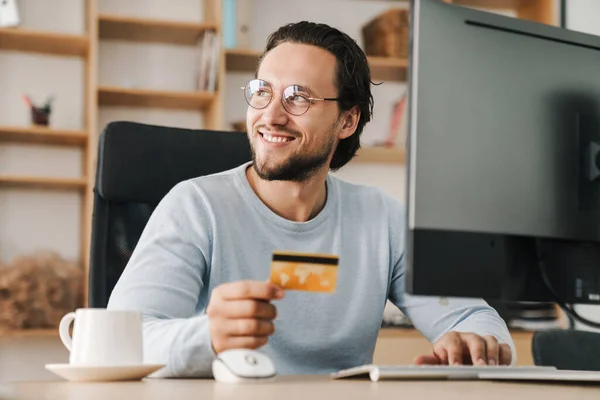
{"x":294,"y":147}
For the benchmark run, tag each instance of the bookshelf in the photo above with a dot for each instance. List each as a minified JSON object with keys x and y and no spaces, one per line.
{"x":24,"y":40}
{"x":107,"y":26}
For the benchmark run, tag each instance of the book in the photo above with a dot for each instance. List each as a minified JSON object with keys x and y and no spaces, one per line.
{"x":230,"y":24}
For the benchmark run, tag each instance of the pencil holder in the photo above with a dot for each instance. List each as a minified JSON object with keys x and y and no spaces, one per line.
{"x":40,"y":116}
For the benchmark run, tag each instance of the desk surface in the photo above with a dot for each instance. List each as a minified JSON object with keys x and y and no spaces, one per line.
{"x":299,"y":388}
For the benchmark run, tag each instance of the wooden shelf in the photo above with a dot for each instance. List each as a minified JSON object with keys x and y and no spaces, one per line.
{"x":241,"y":60}
{"x":42,"y":135}
{"x":30,"y":333}
{"x":382,"y":68}
{"x":388,"y":69}
{"x":147,"y":30}
{"x":42,"y":182}
{"x":43,"y":42}
{"x":116,"y":96}
{"x":380,"y":155}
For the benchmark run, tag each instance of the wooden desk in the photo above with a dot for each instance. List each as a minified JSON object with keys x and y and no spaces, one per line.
{"x":302,"y":388}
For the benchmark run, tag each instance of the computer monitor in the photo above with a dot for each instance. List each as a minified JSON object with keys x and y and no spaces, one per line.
{"x":503,"y":158}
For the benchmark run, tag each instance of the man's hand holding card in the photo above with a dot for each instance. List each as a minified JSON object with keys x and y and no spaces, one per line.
{"x":241,"y":313}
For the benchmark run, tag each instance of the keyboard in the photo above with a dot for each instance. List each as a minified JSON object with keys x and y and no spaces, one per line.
{"x":432,"y":372}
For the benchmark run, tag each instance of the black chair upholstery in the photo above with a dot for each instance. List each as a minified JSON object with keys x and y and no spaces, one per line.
{"x":567,"y":349}
{"x":137,"y":165}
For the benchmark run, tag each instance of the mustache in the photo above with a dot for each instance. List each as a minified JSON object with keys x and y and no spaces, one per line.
{"x":282,"y":129}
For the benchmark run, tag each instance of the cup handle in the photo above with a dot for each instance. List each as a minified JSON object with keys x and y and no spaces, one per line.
{"x":63,"y":329}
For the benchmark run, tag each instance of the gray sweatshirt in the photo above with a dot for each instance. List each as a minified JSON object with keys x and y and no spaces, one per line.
{"x":214,"y":229}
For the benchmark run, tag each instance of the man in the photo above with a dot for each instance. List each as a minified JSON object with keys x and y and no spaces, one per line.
{"x":200,"y":270}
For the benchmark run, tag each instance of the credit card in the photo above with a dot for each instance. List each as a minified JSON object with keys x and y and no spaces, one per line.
{"x":304,"y":271}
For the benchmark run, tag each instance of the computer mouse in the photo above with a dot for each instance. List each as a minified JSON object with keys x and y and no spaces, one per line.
{"x":242,"y":366}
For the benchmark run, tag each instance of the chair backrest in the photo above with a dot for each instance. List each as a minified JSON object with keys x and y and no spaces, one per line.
{"x":567,"y":349}
{"x":137,"y":165}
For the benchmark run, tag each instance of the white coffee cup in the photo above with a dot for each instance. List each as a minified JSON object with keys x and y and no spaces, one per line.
{"x":103,"y":337}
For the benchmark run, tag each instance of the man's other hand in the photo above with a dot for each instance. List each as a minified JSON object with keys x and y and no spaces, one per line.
{"x":458,"y":348}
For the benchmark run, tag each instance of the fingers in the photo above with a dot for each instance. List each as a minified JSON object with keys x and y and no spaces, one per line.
{"x":240,"y":342}
{"x":477,"y":348}
{"x":493,"y":350}
{"x":240,"y":314}
{"x":247,"y":309}
{"x":449,"y":348}
{"x":248,"y":333}
{"x":455,"y":348}
{"x":441,"y":354}
{"x":248,"y":290}
{"x":248,"y":327}
{"x":505,"y":354}
{"x":241,"y":327}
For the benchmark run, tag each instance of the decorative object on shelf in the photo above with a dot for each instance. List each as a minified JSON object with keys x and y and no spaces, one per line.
{"x":237,"y":22}
{"x":9,"y":14}
{"x":39,"y":115}
{"x":397,"y":133}
{"x":37,"y":290}
{"x":387,"y":34}
{"x":387,"y":147}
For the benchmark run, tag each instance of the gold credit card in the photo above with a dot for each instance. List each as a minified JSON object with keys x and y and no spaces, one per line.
{"x":304,"y":271}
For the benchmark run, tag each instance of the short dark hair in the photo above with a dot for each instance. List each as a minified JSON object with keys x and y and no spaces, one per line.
{"x":352,"y":78}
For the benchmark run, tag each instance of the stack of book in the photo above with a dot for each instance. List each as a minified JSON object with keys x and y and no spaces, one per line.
{"x":208,"y":61}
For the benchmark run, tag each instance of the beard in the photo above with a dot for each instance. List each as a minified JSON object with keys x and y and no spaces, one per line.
{"x":298,"y":167}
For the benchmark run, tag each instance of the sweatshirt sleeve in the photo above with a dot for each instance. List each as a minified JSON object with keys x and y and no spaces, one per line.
{"x":164,"y":278}
{"x":435,"y":316}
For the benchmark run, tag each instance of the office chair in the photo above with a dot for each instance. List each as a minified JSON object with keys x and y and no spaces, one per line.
{"x":137,"y":165}
{"x":567,"y":349}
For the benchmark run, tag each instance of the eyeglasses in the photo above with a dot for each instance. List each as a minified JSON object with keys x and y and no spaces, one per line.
{"x":295,"y":99}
